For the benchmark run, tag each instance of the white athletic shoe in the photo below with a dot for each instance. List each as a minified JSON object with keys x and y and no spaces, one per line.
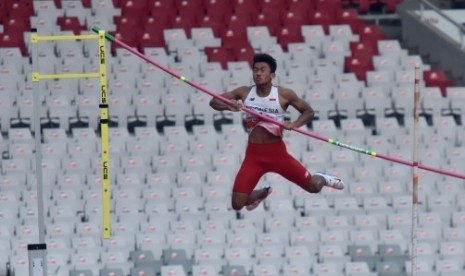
{"x":257,"y":202}
{"x":332,"y":181}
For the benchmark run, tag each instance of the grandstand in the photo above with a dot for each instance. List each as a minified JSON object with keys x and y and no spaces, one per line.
{"x":174,"y":159}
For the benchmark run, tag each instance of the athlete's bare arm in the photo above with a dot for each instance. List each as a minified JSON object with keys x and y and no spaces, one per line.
{"x":290,"y":98}
{"x":236,"y":95}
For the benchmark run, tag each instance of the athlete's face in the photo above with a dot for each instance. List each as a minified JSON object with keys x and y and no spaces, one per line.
{"x":262,"y":73}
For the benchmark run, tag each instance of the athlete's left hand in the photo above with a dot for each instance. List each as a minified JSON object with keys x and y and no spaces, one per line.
{"x":234,"y":106}
{"x":289,"y":125}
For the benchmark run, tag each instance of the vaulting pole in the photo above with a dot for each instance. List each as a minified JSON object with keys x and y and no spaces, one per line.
{"x":265,"y":118}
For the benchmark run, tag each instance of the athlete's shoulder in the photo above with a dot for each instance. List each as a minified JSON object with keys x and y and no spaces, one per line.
{"x":245,"y":88}
{"x":241,"y":90}
{"x":284,"y":91}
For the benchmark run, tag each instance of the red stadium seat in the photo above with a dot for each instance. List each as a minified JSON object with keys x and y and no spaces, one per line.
{"x":289,"y":34}
{"x":162,"y":8}
{"x":350,"y":17}
{"x":135,"y":8}
{"x":130,"y":39}
{"x":191,"y":8}
{"x":234,"y":38}
{"x":363,"y":50}
{"x":156,"y":23}
{"x":358,"y":66}
{"x":127,"y":25}
{"x":273,"y":5}
{"x":221,"y":55}
{"x":301,"y":5}
{"x":123,"y":21}
{"x":3,"y":7}
{"x":249,"y":7}
{"x":116,"y":3}
{"x":13,"y":39}
{"x":15,"y":25}
{"x":272,"y":23}
{"x":437,"y":78}
{"x":185,"y":22}
{"x":87,"y":3}
{"x":238,"y":21}
{"x":20,"y":9}
{"x":252,"y":5}
{"x":371,"y":34}
{"x":218,"y":9}
{"x":323,"y":19}
{"x":364,"y":5}
{"x":391,"y":5}
{"x":151,"y":40}
{"x":245,"y":53}
{"x":295,"y":18}
{"x":58,"y":4}
{"x":348,"y":13}
{"x":215,"y":23}
{"x":70,"y":24}
{"x":331,"y":7}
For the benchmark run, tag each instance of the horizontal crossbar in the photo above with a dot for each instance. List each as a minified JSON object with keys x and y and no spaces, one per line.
{"x":38,"y":77}
{"x":35,"y":38}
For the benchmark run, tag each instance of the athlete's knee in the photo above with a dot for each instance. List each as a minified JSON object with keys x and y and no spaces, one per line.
{"x":237,"y":206}
{"x":238,"y":201}
{"x":316,"y":184}
{"x":314,"y":189}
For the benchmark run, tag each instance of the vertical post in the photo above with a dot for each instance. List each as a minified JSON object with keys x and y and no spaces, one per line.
{"x":104,"y":137}
{"x":416,"y":102}
{"x":37,"y":259}
{"x":37,"y":251}
{"x":422,"y":10}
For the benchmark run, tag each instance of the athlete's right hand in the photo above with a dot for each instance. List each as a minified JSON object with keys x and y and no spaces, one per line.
{"x":234,"y":106}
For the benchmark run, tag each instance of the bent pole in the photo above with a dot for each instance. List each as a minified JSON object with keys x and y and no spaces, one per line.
{"x":265,"y":118}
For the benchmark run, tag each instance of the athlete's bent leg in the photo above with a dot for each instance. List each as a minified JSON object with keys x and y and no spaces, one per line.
{"x":239,"y":200}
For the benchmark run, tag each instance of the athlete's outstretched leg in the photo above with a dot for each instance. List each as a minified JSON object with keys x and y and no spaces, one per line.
{"x":319,"y":180}
{"x":316,"y":184}
{"x":294,"y":171}
{"x":297,"y":173}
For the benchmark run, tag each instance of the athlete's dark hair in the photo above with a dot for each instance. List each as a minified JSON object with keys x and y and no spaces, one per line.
{"x":267,"y":59}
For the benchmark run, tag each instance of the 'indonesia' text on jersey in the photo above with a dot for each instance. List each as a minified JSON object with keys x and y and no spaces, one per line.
{"x":268,"y":106}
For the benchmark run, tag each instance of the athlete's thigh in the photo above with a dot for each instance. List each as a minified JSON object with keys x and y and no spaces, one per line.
{"x":249,"y":174}
{"x":291,"y":169}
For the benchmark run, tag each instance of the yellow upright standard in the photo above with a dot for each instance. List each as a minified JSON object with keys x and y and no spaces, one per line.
{"x":105,"y":158}
{"x":104,"y":136}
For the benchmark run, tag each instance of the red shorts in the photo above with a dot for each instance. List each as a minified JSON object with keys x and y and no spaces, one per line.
{"x":262,"y":158}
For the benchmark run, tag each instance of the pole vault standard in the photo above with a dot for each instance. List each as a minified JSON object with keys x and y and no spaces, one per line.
{"x":103,"y":106}
{"x":265,"y":118}
{"x":416,"y":122}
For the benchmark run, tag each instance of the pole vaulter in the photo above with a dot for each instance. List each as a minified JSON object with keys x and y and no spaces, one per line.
{"x":265,"y":118}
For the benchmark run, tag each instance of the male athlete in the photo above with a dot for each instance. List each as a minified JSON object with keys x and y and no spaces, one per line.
{"x":266,"y":151}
